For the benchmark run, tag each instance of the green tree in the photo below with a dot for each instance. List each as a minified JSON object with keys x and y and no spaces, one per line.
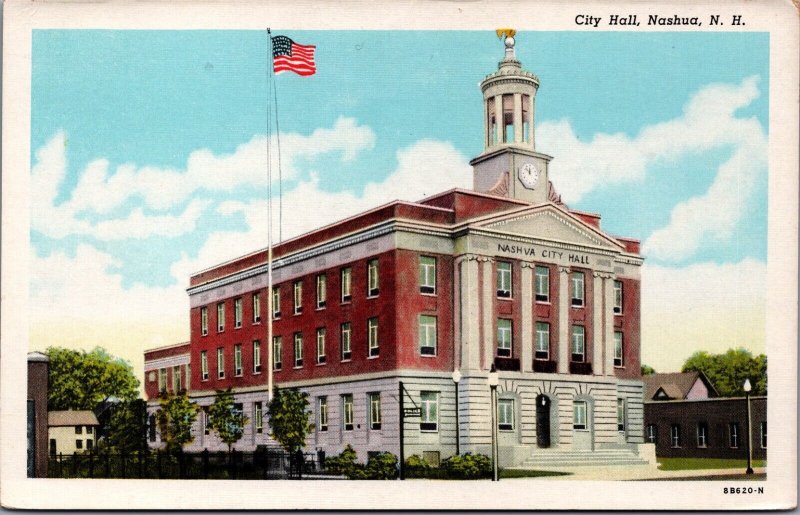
{"x":728,"y":371}
{"x":289,"y":418}
{"x":80,"y":380}
{"x":648,"y":370}
{"x":175,"y":418}
{"x":127,"y":431}
{"x":227,"y":421}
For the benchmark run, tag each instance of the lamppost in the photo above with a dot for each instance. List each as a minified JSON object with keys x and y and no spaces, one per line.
{"x":456,"y":379}
{"x":493,"y":382}
{"x":747,"y":388}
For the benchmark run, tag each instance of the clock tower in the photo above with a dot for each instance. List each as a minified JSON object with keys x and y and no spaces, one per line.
{"x":509,"y":164}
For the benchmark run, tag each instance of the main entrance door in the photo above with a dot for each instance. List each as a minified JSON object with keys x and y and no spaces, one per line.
{"x":543,"y":421}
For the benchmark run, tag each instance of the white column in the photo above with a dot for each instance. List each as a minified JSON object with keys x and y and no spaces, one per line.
{"x":517,"y":117}
{"x":608,"y":315}
{"x":488,"y":312}
{"x":598,"y":308}
{"x":526,"y":356}
{"x":470,"y":339}
{"x":531,"y":128}
{"x":563,"y":320}
{"x":498,"y":117}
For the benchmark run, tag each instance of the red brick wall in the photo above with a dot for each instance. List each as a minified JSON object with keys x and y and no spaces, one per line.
{"x":547,"y":312}
{"x":629,"y":322}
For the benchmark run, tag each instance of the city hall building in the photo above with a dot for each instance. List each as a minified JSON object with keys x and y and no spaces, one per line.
{"x":504,"y":274}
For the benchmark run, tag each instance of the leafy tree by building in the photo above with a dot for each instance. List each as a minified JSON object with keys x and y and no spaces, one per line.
{"x":728,"y":371}
{"x":80,"y":380}
{"x":175,"y":418}
{"x":289,"y":418}
{"x":225,"y":419}
{"x":127,"y":430}
{"x":648,"y":370}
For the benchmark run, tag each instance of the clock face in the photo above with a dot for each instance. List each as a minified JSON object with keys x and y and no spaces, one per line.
{"x":529,"y":175}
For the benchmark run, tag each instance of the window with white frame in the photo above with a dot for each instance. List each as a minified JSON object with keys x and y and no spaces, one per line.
{"x":427,"y":275}
{"x":276,"y":302}
{"x":298,"y":297}
{"x":204,"y":321}
{"x":256,"y":308}
{"x":621,"y":415}
{"x":427,"y":335}
{"x":504,"y":279}
{"x":733,"y":435}
{"x":345,"y":333}
{"x":372,"y":278}
{"x":618,"y":349}
{"x":375,"y":411}
{"x":763,"y":427}
{"x":237,"y":312}
{"x":220,"y":363}
{"x":346,"y":276}
{"x":347,"y":412}
{"x":542,"y":340}
{"x":220,"y":317}
{"x":204,"y":365}
{"x":675,"y":435}
{"x":322,"y":291}
{"x":322,"y":413}
{"x":277,"y":352}
{"x":429,"y":420}
{"x":542,"y":276}
{"x":256,"y":357}
{"x":504,"y":337}
{"x":578,"y":292}
{"x":372,"y":336}
{"x":579,"y":415}
{"x":702,"y":434}
{"x":258,"y":417}
{"x":298,"y":350}
{"x":321,"y":345}
{"x":578,"y":343}
{"x":176,"y":379}
{"x":505,"y":414}
{"x":617,"y":297}
{"x":237,"y":359}
{"x":652,"y":433}
{"x":162,"y":379}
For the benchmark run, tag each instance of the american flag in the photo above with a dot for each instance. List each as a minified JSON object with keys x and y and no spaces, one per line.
{"x":293,"y":57}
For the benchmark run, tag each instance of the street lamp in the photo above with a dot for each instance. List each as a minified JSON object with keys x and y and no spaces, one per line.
{"x":747,"y":388}
{"x":493,"y":382}
{"x":456,"y":379}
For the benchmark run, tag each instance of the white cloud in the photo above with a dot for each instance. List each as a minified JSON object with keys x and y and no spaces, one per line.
{"x":705,"y":306}
{"x":708,"y":122}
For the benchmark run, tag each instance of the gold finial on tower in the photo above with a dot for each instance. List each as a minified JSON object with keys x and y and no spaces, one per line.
{"x":509,"y":33}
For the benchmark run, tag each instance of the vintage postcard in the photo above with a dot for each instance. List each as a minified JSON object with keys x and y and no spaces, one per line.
{"x":444,"y":255}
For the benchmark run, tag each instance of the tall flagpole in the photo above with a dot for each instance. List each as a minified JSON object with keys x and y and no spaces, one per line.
{"x":270,"y":357}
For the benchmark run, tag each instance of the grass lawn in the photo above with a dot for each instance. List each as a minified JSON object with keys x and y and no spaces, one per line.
{"x":514,"y":473}
{"x":705,"y":463}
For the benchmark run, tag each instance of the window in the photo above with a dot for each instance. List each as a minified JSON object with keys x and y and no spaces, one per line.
{"x":733,"y":435}
{"x":346,"y":332}
{"x":220,"y":363}
{"x":298,"y":297}
{"x":321,"y":345}
{"x":162,"y":379}
{"x":277,"y":352}
{"x":542,"y":284}
{"x":276,"y":302}
{"x":504,"y":337}
{"x":347,"y":412}
{"x":237,"y":313}
{"x":372,"y":278}
{"x":298,"y":350}
{"x":503,"y":279}
{"x":322,"y":290}
{"x":578,"y":343}
{"x":375,"y":411}
{"x":618,"y":349}
{"x":505,"y":414}
{"x":256,"y":357}
{"x":577,"y":289}
{"x":220,"y":317}
{"x":204,"y":365}
{"x":322,"y":413}
{"x":372,"y":336}
{"x":89,"y":444}
{"x":79,"y":444}
{"x":78,"y":430}
{"x":675,"y":435}
{"x":237,"y":359}
{"x":763,"y":428}
{"x":427,"y":335}
{"x":89,"y":430}
{"x":702,"y":434}
{"x":617,"y":297}
{"x":258,"y":417}
{"x":621,"y":415}
{"x":347,"y":277}
{"x":542,"y":340}
{"x":256,"y":308}
{"x":652,"y":433}
{"x":427,"y":275}
{"x":176,"y":379}
{"x":430,"y":411}
{"x":579,"y":415}
{"x":204,"y":321}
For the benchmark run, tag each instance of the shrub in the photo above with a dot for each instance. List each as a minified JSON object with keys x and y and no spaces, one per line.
{"x":343,"y":464}
{"x":468,"y":466}
{"x":416,"y":466}
{"x":381,"y":466}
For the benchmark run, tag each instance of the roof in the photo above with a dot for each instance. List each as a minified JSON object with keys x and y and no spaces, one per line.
{"x":71,"y":418}
{"x":676,"y":385}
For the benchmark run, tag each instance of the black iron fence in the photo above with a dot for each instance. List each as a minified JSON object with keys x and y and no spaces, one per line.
{"x":261,"y":464}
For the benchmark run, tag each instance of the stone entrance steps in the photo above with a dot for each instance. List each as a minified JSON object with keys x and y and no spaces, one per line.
{"x":554,"y":458}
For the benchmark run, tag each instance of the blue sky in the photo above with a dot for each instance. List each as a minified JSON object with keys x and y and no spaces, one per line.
{"x":654,"y":131}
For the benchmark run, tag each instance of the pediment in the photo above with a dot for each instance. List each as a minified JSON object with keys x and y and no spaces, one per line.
{"x":551,"y":223}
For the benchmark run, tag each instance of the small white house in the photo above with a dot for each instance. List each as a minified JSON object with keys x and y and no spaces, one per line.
{"x":71,"y":431}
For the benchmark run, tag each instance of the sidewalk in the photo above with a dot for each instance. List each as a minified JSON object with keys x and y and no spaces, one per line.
{"x":637,"y":472}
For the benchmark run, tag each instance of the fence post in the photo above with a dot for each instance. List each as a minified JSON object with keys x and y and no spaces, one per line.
{"x":205,"y":463}
{"x":158,"y":462}
{"x":60,"y":464}
{"x":74,"y":464}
